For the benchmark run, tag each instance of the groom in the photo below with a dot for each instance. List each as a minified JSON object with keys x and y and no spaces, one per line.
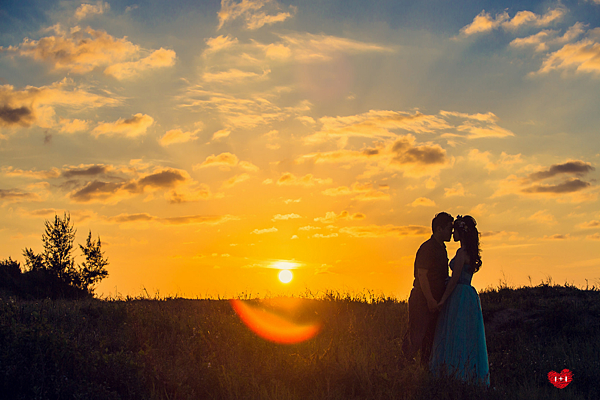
{"x":431,"y":272}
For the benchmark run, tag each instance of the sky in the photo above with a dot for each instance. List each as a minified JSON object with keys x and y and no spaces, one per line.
{"x":210,"y":144}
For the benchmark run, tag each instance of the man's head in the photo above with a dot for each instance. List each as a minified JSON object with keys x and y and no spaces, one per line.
{"x":441,"y":226}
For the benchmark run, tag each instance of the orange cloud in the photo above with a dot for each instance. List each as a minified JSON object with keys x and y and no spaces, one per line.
{"x":255,"y":13}
{"x":233,"y":75}
{"x":22,"y":116}
{"x":158,"y":59}
{"x":541,"y":40}
{"x":219,"y":43}
{"x":289,"y":179}
{"x":557,"y":236}
{"x":307,"y":47}
{"x":248,"y":166}
{"x":527,"y":18}
{"x":365,"y":192}
{"x":235,"y":180}
{"x":17,"y":196}
{"x":113,"y":192}
{"x":309,"y":228}
{"x":72,"y":126}
{"x":423,"y":201}
{"x":475,"y":125}
{"x":132,"y":127}
{"x":16,"y":172}
{"x":402,"y":154}
{"x":77,"y":215}
{"x":504,"y":161}
{"x":244,"y":112}
{"x":543,"y":217}
{"x":223,"y":133}
{"x":86,"y":170}
{"x":331,"y":217}
{"x":90,"y":9}
{"x":577,"y":168}
{"x":192,"y":193}
{"x":569,"y":186}
{"x":225,"y":161}
{"x":484,"y":22}
{"x":379,"y":124}
{"x":375,"y":124}
{"x":374,"y":231}
{"x":582,"y":56}
{"x":562,"y":187}
{"x":263,"y":231}
{"x":79,"y":51}
{"x":321,"y":236}
{"x":36,"y":105}
{"x":590,"y":224}
{"x":280,"y":217}
{"x":184,"y":220}
{"x":177,"y":136}
{"x":456,"y":190}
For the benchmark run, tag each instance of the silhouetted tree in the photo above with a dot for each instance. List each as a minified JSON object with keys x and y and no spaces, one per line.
{"x":92,"y":270}
{"x":33,"y":262}
{"x":54,"y":272}
{"x":10,"y":267}
{"x":58,"y":240}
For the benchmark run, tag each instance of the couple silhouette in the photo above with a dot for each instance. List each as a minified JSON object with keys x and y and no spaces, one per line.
{"x":444,"y":313}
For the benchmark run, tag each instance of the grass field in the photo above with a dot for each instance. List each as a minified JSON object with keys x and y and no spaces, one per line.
{"x":199,"y":349}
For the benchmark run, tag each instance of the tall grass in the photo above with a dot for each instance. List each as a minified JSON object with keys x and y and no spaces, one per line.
{"x":199,"y":349}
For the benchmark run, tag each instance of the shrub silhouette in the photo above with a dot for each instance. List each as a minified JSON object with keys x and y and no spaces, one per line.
{"x":53,"y":273}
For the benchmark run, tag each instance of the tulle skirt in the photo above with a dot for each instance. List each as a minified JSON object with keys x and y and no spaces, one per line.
{"x":459,"y":348}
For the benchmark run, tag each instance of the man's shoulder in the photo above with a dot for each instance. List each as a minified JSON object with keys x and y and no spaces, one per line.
{"x":428,"y":243}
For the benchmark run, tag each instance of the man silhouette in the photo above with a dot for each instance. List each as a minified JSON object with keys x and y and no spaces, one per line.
{"x":431,"y":273}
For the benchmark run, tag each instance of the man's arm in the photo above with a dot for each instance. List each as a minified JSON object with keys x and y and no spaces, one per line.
{"x":424,"y":281}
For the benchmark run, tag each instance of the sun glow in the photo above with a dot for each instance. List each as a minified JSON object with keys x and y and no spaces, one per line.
{"x":284,"y":265}
{"x":285,"y":276}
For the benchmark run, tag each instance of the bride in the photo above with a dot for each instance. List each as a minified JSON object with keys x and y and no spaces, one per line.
{"x":459,"y":348}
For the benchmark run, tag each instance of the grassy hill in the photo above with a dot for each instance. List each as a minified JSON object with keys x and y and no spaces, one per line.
{"x":196,"y":349}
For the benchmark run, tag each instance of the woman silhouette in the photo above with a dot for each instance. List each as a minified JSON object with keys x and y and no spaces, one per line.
{"x":459,"y":348}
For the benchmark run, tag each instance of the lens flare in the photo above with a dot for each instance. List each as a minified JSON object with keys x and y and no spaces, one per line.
{"x":272,"y":326}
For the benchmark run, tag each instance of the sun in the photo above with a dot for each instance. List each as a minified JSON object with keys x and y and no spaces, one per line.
{"x":285,"y":276}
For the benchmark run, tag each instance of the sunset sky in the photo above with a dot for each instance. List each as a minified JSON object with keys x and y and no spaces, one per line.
{"x":210,"y":144}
